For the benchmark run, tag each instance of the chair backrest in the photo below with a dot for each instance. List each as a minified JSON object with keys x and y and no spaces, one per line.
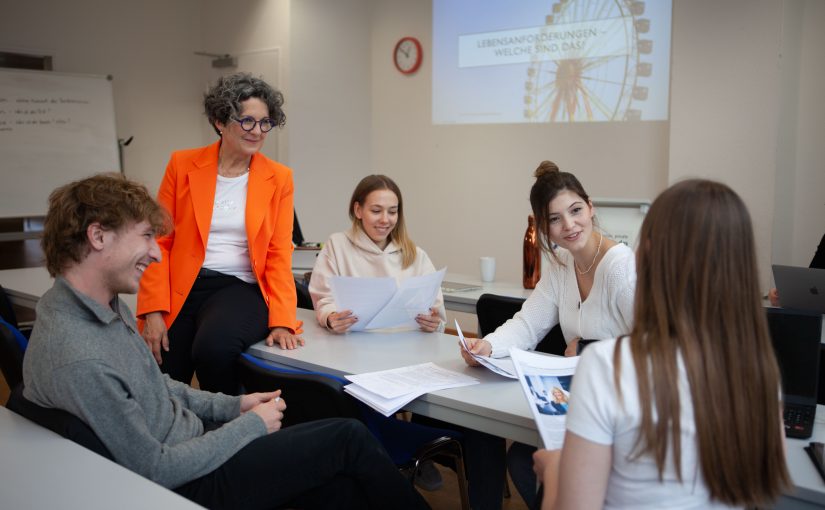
{"x":12,"y":347}
{"x":6,"y":308}
{"x":61,"y":422}
{"x":309,"y":395}
{"x":493,"y":310}
{"x":302,"y":290}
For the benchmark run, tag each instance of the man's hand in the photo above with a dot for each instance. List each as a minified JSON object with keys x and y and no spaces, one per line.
{"x":271,"y":412}
{"x":250,"y":400}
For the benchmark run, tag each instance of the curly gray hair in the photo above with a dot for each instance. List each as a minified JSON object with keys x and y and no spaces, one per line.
{"x":224,"y":99}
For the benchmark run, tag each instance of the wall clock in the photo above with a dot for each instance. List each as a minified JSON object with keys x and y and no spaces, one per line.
{"x":408,"y":55}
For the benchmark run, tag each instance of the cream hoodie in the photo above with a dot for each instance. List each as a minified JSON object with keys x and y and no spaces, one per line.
{"x":353,"y":253}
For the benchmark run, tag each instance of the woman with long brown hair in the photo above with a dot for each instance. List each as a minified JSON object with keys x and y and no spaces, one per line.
{"x":684,"y":412}
{"x":587,"y":290}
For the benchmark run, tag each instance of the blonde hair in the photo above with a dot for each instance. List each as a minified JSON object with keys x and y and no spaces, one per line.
{"x":399,"y":234}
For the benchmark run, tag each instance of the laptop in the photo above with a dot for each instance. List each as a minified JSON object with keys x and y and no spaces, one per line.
{"x":796,"y":337}
{"x":802,"y":288}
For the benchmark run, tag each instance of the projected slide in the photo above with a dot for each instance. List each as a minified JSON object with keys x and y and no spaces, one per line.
{"x":505,"y":61}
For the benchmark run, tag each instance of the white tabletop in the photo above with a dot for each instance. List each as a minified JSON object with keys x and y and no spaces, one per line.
{"x":465,"y":301}
{"x":497,"y":405}
{"x":24,"y":286}
{"x":40,"y":469}
{"x":809,"y":487}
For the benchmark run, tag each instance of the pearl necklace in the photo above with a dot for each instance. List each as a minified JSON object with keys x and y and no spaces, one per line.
{"x":598,"y":250}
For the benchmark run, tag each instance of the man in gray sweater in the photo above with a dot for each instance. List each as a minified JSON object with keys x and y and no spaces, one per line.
{"x":86,"y":357}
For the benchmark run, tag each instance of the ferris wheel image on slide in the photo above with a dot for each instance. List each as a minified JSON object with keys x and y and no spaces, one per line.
{"x":590,"y":82}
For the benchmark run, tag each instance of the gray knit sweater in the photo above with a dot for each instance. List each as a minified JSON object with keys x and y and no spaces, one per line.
{"x":90,"y":361}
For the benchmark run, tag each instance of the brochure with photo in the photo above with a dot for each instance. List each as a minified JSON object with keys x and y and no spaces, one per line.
{"x":545,"y":380}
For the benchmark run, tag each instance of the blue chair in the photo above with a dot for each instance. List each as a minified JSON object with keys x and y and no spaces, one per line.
{"x":12,"y":346}
{"x":317,"y":395}
{"x":7,"y":314}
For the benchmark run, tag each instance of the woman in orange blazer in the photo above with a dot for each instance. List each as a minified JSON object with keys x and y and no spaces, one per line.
{"x":225,"y":279}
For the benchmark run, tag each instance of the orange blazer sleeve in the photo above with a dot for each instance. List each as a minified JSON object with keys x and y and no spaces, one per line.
{"x":269,"y":218}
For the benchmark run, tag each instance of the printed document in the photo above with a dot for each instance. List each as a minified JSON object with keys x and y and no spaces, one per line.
{"x":500,"y":366}
{"x":546,"y":381}
{"x":387,"y":391}
{"x":382,"y":303}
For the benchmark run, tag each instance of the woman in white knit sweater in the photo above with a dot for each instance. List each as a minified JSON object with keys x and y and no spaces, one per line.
{"x":377,"y":245}
{"x":590,"y":284}
{"x":588,"y":290}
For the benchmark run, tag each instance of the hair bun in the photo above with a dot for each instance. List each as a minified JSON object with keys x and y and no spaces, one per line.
{"x":545,"y":168}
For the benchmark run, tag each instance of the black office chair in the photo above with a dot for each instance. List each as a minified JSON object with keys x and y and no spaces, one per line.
{"x":302,"y":291}
{"x":58,"y":421}
{"x":315,"y":396}
{"x":493,"y":310}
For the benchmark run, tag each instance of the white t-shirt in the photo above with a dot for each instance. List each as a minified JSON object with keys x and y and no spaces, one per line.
{"x":607,"y":311}
{"x":227,"y":249}
{"x":595,"y":414}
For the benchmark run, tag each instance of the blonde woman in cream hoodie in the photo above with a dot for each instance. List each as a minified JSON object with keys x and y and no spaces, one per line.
{"x":377,"y":245}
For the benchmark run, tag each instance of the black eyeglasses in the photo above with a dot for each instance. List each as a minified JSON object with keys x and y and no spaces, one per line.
{"x":248,"y":123}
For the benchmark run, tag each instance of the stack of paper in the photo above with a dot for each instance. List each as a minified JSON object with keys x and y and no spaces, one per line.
{"x":382,"y":303}
{"x":388,"y":391}
{"x":502,"y":366}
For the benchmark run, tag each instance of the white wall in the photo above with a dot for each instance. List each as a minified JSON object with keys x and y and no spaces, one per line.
{"x":147,"y":46}
{"x":746,"y":109}
{"x":329,"y":109}
{"x":725,"y":102}
{"x":808,"y":196}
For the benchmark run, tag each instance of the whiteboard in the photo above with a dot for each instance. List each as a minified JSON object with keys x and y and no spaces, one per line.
{"x":621,"y":219}
{"x":54,"y":128}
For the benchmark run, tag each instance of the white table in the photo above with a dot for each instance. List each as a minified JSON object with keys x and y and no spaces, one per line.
{"x":496,"y":406}
{"x":25,"y":286}
{"x":465,"y":301}
{"x":40,"y":469}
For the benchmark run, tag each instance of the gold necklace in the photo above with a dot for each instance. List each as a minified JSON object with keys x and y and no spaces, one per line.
{"x":598,"y":250}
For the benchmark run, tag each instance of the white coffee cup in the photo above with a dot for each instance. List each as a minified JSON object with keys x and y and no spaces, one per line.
{"x":488,"y":269}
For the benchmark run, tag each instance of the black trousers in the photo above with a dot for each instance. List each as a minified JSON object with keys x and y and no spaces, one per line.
{"x":326,"y":464}
{"x":221,"y":317}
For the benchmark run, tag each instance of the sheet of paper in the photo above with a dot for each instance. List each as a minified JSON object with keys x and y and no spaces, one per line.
{"x":364,"y":296}
{"x":500,"y":366}
{"x":396,"y":382}
{"x":415,"y":295}
{"x":385,"y":406}
{"x":546,"y":381}
{"x":387,"y":391}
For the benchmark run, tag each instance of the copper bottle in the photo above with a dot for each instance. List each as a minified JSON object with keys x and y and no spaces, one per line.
{"x":532,"y":256}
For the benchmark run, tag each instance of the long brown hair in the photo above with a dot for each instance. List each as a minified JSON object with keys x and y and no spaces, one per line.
{"x":697,"y":297}
{"x":550,"y":181}
{"x":399,"y":234}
